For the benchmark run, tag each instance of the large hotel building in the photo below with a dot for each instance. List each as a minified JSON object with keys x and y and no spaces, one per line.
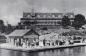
{"x":43,"y":19}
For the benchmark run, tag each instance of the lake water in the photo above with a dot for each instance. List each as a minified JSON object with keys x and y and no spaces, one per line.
{"x":75,"y":51}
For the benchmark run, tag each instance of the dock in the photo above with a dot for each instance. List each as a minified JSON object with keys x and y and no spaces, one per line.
{"x":39,"y":48}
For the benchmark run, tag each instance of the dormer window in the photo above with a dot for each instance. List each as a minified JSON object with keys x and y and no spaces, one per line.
{"x":44,"y":16}
{"x":49,"y":16}
{"x":59,"y":16}
{"x":71,"y":16}
{"x":53,"y":16}
{"x":28,"y":16}
{"x":38,"y":16}
{"x":33,"y":15}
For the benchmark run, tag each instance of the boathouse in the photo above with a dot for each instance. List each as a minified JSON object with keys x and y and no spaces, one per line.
{"x":48,"y":39}
{"x":2,"y":38}
{"x":27,"y":37}
{"x":74,"y":36}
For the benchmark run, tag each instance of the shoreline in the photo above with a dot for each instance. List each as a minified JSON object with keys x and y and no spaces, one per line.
{"x":39,"y":48}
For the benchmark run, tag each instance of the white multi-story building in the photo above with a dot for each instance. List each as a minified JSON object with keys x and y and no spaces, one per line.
{"x":43,"y":19}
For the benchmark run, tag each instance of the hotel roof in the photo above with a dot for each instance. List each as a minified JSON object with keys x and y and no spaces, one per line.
{"x":46,"y":15}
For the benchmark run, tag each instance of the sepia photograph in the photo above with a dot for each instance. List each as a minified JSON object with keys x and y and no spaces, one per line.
{"x":42,"y":27}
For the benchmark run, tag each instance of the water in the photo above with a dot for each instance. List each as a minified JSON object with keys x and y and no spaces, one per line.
{"x":75,"y":51}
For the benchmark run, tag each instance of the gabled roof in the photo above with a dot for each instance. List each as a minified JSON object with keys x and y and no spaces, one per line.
{"x":19,"y":32}
{"x":84,"y":26}
{"x":49,"y":36}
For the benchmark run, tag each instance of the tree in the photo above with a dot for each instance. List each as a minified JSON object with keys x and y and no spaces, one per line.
{"x":9,"y":28}
{"x":1,"y":22}
{"x":2,"y":26}
{"x":66,"y":21}
{"x":79,"y":20}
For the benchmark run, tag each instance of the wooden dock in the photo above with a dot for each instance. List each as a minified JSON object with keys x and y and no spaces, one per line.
{"x":39,"y":48}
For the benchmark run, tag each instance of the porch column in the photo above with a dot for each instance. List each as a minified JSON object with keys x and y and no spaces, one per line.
{"x":27,"y":42}
{"x":15,"y":42}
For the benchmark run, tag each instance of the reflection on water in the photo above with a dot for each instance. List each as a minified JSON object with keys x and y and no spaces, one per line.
{"x":76,"y":51}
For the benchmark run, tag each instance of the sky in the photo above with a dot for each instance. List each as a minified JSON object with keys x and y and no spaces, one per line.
{"x":12,"y":10}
